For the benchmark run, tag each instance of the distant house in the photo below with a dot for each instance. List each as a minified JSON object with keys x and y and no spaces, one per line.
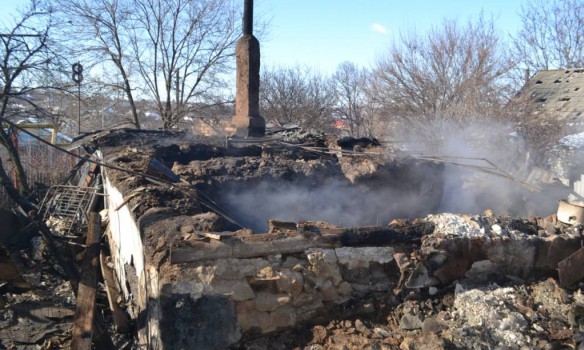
{"x":559,"y":94}
{"x":152,"y":114}
{"x":341,"y":125}
{"x":207,"y":126}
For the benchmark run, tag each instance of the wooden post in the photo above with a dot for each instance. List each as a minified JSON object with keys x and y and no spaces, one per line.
{"x":83,"y":322}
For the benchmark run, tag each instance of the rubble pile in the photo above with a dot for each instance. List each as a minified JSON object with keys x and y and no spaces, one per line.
{"x":537,"y":315}
{"x":492,"y":303}
{"x":188,"y":199}
{"x":293,"y":241}
{"x":37,"y":309}
{"x":37,"y":299}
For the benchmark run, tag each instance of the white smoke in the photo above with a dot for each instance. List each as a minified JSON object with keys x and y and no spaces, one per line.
{"x":336,"y":201}
{"x":470,"y":154}
{"x":492,"y":161}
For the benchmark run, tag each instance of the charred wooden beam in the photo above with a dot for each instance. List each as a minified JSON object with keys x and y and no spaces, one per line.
{"x":83,"y":324}
{"x":570,"y":269}
{"x":11,"y":271}
{"x":378,"y":236}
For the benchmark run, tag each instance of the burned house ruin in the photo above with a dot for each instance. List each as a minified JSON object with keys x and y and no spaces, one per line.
{"x":178,"y":238}
{"x":192,"y":267}
{"x":284,"y":239}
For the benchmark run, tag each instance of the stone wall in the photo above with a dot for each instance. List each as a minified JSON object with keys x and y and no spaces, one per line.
{"x":277,"y":291}
{"x":230,"y":299}
{"x":195,"y":289}
{"x":190,"y":287}
{"x":215,"y":302}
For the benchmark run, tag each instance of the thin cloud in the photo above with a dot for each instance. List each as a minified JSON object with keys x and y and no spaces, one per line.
{"x":379,"y":28}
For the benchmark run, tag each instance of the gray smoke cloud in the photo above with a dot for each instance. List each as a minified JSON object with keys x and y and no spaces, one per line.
{"x":336,"y":201}
{"x":465,"y":190}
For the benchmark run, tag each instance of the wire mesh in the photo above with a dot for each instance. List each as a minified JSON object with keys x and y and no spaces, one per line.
{"x":65,"y":208}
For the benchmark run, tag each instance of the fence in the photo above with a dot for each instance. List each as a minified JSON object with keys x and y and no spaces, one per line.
{"x":44,"y":167}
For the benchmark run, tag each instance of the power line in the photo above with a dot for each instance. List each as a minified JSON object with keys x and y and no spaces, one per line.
{"x":206,"y":201}
{"x":20,"y":35}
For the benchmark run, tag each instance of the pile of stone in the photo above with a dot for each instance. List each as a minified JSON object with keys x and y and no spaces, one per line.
{"x":475,"y":282}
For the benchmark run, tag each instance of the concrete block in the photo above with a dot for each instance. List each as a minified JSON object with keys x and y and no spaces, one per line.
{"x":290,"y":282}
{"x":323,"y":262}
{"x":329,"y":292}
{"x":304,"y":298}
{"x":283,"y":317}
{"x":237,"y":290}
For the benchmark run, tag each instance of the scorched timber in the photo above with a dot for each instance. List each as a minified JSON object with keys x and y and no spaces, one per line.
{"x":83,"y":325}
{"x":295,"y":242}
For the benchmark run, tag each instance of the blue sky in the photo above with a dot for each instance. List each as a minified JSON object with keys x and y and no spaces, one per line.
{"x":323,"y":33}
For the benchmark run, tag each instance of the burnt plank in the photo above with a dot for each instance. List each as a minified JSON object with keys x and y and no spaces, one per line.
{"x":90,"y":175}
{"x":83,"y":322}
{"x":235,"y":248}
{"x":10,"y":271}
{"x":276,"y":225}
{"x":218,"y":235}
{"x":374,"y":235}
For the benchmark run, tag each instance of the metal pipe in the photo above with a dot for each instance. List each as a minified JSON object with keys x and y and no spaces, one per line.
{"x":248,"y":17}
{"x":79,"y":108}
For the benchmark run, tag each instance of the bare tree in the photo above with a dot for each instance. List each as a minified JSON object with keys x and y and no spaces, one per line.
{"x":24,"y":59}
{"x":452,"y":73}
{"x":551,"y":35}
{"x":174,"y":51}
{"x":184,"y":48}
{"x":96,"y":32}
{"x":297,"y":95}
{"x":351,"y":84}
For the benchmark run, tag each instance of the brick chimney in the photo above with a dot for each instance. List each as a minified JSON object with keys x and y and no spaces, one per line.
{"x":247,"y":120}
